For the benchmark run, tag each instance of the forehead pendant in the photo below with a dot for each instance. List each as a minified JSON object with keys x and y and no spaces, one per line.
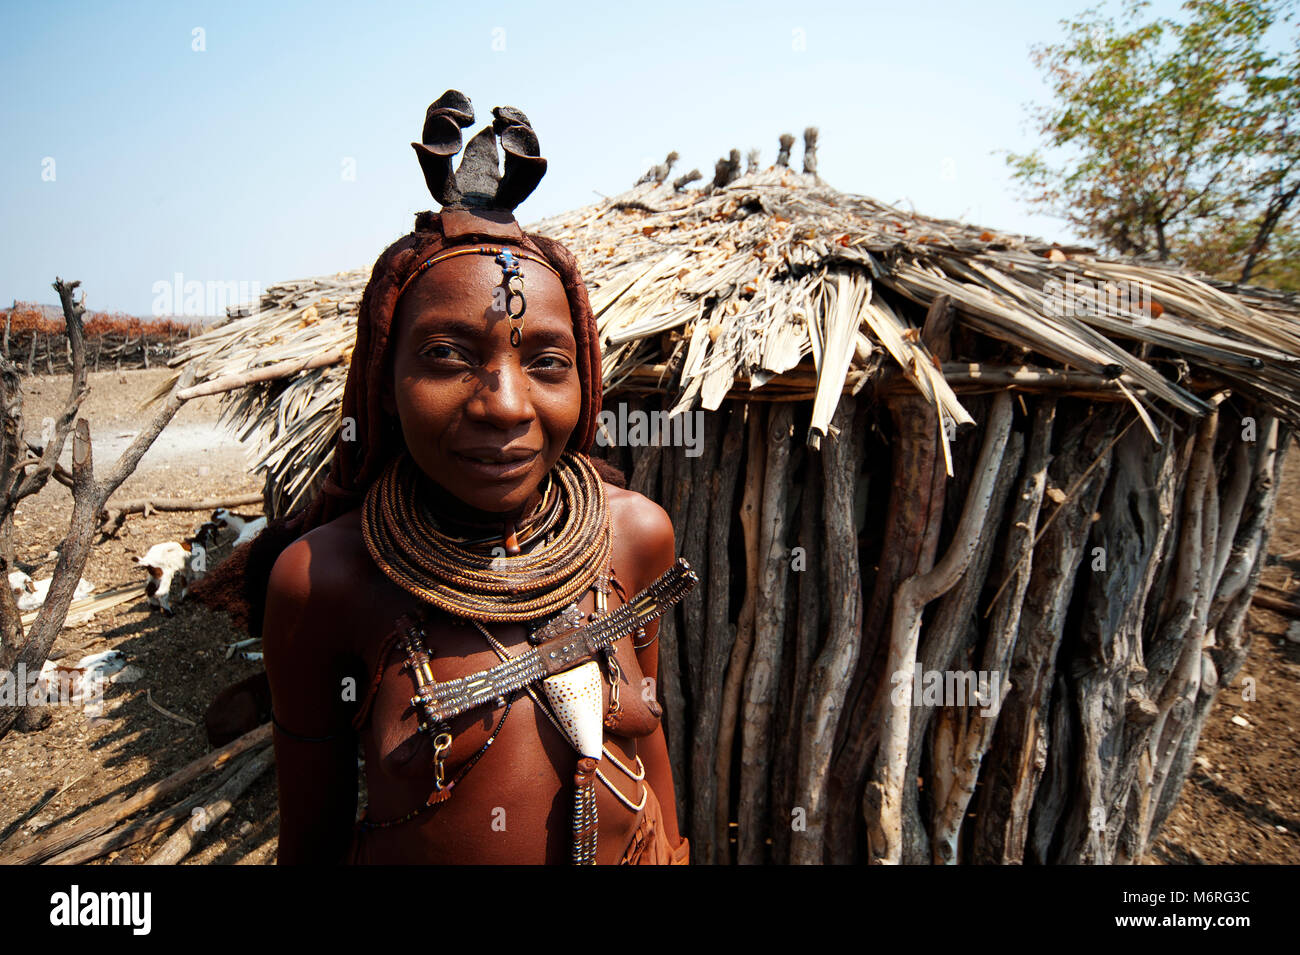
{"x":510,"y":272}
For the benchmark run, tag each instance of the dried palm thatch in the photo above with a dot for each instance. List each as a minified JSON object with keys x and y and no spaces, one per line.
{"x":1092,"y":544}
{"x":290,"y":420}
{"x":727,"y":291}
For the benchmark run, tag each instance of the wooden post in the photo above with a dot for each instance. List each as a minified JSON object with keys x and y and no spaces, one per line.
{"x":911,"y":536}
{"x":1013,"y":769}
{"x":883,"y":800}
{"x":675,"y":488}
{"x":807,"y":562}
{"x":764,"y":670}
{"x":828,"y":681}
{"x":719,"y":636}
{"x":750,"y":505}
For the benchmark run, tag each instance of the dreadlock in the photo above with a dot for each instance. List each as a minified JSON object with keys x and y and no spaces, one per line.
{"x":238,"y":585}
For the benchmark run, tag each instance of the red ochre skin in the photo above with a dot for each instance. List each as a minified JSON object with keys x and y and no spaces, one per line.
{"x":460,"y":391}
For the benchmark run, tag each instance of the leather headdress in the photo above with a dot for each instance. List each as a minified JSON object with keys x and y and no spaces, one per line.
{"x":476,"y":199}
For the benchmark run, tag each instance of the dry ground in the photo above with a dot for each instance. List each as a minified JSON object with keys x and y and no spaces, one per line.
{"x":1241,"y":803}
{"x":183,"y":658}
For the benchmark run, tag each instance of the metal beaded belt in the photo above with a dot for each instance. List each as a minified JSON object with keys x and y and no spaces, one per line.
{"x":561,"y":646}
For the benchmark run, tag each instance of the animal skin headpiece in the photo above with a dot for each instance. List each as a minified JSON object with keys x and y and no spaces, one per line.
{"x":477,"y":198}
{"x":476,"y":184}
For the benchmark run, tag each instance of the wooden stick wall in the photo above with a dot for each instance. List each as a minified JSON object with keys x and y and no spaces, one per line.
{"x":1086,"y":584}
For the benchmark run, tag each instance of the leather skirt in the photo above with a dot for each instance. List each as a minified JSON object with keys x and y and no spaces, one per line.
{"x":649,"y":844}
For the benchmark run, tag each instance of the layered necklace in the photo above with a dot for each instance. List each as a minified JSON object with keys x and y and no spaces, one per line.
{"x":522,"y":573}
{"x":503,"y":571}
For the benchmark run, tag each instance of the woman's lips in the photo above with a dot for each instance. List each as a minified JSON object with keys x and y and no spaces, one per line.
{"x":492,"y":469}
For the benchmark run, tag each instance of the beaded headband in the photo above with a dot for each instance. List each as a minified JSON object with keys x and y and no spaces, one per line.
{"x":510,"y":271}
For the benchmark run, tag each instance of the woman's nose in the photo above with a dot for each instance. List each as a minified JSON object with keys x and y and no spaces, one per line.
{"x":504,"y":401}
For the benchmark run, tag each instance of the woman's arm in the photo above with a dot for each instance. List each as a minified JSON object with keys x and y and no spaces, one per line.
{"x":654,"y":748}
{"x":648,"y":525}
{"x":317,"y":780}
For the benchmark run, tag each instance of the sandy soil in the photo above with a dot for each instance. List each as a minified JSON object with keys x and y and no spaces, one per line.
{"x":1240,"y":805}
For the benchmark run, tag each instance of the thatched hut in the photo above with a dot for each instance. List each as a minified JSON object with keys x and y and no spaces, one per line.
{"x":978,"y":517}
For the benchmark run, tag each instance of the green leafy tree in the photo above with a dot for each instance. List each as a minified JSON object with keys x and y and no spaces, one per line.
{"x":1177,"y":140}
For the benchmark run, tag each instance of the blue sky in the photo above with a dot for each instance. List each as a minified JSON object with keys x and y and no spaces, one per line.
{"x":228,"y":164}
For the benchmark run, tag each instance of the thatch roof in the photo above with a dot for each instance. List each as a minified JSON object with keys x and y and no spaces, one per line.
{"x":727,"y":290}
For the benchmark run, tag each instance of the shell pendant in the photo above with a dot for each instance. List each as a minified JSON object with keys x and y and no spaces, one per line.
{"x":575,"y":697}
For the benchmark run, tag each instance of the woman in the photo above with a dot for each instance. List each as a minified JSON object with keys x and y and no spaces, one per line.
{"x":462,"y":518}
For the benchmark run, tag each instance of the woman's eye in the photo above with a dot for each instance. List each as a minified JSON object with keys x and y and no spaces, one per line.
{"x":444,"y":353}
{"x":551,"y":363}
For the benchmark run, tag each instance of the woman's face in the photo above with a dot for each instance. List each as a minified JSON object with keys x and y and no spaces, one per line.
{"x":483,"y":419}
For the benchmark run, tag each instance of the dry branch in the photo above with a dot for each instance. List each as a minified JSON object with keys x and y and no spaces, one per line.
{"x":911,"y":537}
{"x":1015,"y":764}
{"x":101,"y":820}
{"x":829,"y":680}
{"x":676,"y":497}
{"x":283,"y":369}
{"x":763,"y":674}
{"x":210,"y":812}
{"x":718,"y":638}
{"x":132,"y":832}
{"x":89,"y":497}
{"x":750,"y":509}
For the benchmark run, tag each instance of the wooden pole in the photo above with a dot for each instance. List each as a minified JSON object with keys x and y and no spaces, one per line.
{"x":883,"y":799}
{"x":763,"y":673}
{"x":750,"y":506}
{"x":1014,"y":766}
{"x":676,"y":488}
{"x":951,"y":635}
{"x":283,"y":369}
{"x":719,"y":635}
{"x":828,"y":680}
{"x":911,"y":535}
{"x":182,"y":841}
{"x":130,"y":833}
{"x":807,"y":628}
{"x":100,"y":820}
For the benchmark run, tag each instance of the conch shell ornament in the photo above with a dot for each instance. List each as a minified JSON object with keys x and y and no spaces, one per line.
{"x":575,"y":698}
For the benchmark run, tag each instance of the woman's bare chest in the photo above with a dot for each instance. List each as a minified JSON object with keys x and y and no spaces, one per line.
{"x":503,"y":763}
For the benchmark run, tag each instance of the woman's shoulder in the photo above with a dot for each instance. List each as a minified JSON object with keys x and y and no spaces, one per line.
{"x":642,"y":530}
{"x":320,"y":568}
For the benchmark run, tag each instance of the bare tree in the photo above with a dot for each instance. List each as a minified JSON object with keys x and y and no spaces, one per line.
{"x":29,"y":651}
